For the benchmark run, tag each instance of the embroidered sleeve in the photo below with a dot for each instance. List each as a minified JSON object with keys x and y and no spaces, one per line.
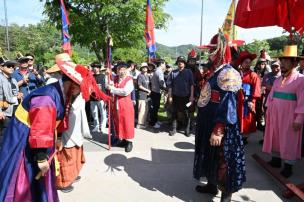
{"x":229,"y":80}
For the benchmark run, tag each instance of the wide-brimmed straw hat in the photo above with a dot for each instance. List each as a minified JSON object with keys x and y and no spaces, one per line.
{"x":53,"y":69}
{"x":80,"y":75}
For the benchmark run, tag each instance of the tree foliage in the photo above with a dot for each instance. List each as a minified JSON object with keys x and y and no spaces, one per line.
{"x":43,"y":40}
{"x":92,"y":20}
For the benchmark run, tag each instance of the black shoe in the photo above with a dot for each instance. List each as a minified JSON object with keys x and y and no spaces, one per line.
{"x":261,"y":142}
{"x":77,"y":179}
{"x":287,"y":170}
{"x":187,"y":133}
{"x":207,"y":189}
{"x":129,"y":146}
{"x":275,"y":162}
{"x":226,"y":197}
{"x":121,"y":143}
{"x":67,"y":189}
{"x":172,"y":132}
{"x":245,"y":141}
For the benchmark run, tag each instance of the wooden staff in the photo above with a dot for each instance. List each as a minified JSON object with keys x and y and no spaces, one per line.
{"x":290,"y":186}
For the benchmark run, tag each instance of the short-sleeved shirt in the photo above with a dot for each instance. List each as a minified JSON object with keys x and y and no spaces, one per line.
{"x":144,"y":81}
{"x":181,"y":82}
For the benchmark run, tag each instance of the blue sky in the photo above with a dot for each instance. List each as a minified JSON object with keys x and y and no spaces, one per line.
{"x":183,"y":28}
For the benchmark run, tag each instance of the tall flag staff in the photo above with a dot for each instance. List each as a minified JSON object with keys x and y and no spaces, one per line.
{"x":66,"y":38}
{"x":109,"y":66}
{"x":201,"y":35}
{"x":149,"y":32}
{"x":229,"y":28}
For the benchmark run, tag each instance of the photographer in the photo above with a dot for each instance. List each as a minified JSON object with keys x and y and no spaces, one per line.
{"x":28,"y":80}
{"x":9,"y":94}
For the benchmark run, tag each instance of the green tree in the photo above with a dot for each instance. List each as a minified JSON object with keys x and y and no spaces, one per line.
{"x":92,"y":20}
{"x":256,"y":46}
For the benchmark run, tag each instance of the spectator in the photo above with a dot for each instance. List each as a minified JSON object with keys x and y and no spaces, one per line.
{"x":9,"y":94}
{"x":157,"y":84}
{"x":98,"y":107}
{"x":181,"y":93}
{"x":144,"y":91}
{"x":27,"y":80}
{"x":267,"y":84}
{"x":168,"y":106}
{"x":301,"y":63}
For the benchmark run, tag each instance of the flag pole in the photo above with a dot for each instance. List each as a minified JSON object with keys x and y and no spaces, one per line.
{"x":109,"y":43}
{"x":6,"y":27}
{"x":201,"y":34}
{"x":234,"y":26}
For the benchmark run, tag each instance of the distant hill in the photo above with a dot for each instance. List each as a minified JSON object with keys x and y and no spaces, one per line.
{"x":173,"y":51}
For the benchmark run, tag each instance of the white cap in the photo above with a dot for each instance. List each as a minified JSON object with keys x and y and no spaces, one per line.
{"x":144,"y":64}
{"x":276,"y":63}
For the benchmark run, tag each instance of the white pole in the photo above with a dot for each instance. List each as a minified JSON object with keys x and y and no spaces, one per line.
{"x":201,"y":34}
{"x":6,"y":27}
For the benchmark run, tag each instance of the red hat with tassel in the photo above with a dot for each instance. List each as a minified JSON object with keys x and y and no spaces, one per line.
{"x":80,"y":75}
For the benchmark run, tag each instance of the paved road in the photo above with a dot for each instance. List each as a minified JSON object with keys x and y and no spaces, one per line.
{"x":160,"y":169}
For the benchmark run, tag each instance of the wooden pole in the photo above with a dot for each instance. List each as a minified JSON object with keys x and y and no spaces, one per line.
{"x":290,"y":186}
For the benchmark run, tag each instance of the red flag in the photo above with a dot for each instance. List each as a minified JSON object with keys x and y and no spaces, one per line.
{"x":149,"y":32}
{"x":261,"y":13}
{"x":66,"y":39}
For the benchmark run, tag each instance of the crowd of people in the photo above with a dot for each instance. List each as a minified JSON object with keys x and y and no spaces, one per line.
{"x":221,"y":101}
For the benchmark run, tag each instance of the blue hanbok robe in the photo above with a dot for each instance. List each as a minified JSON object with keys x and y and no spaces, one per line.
{"x":217,"y":104}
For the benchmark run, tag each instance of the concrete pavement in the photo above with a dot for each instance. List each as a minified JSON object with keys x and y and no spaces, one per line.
{"x":159,"y":169}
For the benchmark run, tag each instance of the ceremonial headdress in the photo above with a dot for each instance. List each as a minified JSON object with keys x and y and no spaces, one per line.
{"x":219,"y":48}
{"x":264,"y":56}
{"x":192,"y":55}
{"x":290,"y":51}
{"x":245,"y":55}
{"x":80,"y":75}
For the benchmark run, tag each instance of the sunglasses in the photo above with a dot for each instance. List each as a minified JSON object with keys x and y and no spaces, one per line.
{"x":31,"y":59}
{"x":10,"y":67}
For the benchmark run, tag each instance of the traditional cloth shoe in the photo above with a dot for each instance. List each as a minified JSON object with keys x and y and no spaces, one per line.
{"x":287,"y":170}
{"x":121,"y":143}
{"x":226,"y":197}
{"x":275,"y":162}
{"x":129,"y":146}
{"x":77,"y":179}
{"x":207,"y":189}
{"x":67,"y":189}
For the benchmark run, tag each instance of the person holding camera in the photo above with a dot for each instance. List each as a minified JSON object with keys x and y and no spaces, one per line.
{"x":9,"y":94}
{"x":28,"y":79}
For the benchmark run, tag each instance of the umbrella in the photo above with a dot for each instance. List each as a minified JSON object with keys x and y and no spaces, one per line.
{"x":261,"y":13}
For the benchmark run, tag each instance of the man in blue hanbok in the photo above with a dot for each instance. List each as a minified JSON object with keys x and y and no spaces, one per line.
{"x":29,"y":141}
{"x":219,"y":151}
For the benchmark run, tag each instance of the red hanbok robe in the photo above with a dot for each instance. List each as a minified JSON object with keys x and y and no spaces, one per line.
{"x":251,"y":90}
{"x":123,"y":109}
